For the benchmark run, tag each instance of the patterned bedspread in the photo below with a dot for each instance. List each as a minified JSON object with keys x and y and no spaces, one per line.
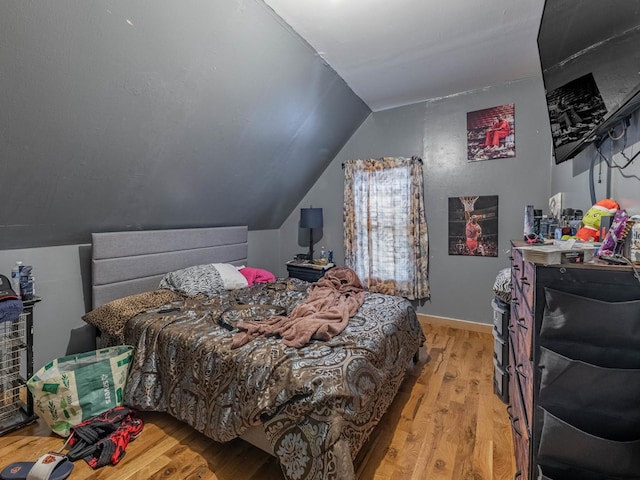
{"x":318,"y":404}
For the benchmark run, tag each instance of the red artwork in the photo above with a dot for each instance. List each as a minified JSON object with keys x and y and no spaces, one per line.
{"x":491,"y":133}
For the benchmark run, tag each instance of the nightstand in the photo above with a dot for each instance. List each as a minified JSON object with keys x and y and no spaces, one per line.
{"x":309,"y":272}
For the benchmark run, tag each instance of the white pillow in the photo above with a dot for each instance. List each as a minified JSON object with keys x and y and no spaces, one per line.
{"x":231,"y":277}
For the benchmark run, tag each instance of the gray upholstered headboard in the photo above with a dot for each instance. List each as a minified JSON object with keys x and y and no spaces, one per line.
{"x":126,"y":263}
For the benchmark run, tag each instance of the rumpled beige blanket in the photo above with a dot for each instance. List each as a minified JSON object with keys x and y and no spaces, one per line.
{"x":333,"y":300}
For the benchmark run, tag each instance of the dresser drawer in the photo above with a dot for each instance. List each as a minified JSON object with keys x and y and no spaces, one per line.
{"x":500,"y":381}
{"x":521,"y":323}
{"x":528,"y":282}
{"x":521,"y":450}
{"x":515,"y":409}
{"x":501,"y":313}
{"x":519,"y":428}
{"x":516,"y":267}
{"x":521,"y":370}
{"x":523,"y":374}
{"x":500,"y":347}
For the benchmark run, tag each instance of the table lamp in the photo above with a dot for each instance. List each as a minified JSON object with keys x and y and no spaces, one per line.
{"x":311,"y":218}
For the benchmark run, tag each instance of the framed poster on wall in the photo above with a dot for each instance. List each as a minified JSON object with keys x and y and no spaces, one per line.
{"x":491,"y":133}
{"x":473,"y":226}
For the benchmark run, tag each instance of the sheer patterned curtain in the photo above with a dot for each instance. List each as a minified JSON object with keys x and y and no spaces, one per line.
{"x":385,"y":230}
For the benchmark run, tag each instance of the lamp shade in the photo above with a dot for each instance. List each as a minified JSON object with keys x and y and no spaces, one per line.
{"x":310,"y":218}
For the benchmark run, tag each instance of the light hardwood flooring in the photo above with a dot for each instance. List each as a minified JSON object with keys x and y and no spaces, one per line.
{"x":446,"y":423}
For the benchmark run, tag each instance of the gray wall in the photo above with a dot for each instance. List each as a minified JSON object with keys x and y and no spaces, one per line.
{"x":263,"y":250}
{"x":131,"y":115}
{"x":599,"y":38}
{"x":126,"y":115}
{"x":63,"y":280}
{"x":572,"y":177}
{"x":461,"y":286}
{"x":436,"y":130}
{"x":396,"y":132}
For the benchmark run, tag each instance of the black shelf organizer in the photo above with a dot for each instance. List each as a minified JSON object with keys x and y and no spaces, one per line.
{"x":16,"y":360}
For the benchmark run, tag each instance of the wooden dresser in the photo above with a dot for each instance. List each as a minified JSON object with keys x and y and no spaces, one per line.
{"x":560,"y":324}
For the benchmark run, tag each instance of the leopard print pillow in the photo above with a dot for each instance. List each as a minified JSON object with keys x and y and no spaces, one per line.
{"x":112,"y":317}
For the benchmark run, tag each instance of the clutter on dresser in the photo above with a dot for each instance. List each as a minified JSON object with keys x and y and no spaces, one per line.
{"x":558,"y":252}
{"x":596,"y":221}
{"x":613,"y":242}
{"x":632,"y":244}
{"x":605,"y":234}
{"x":563,"y":223}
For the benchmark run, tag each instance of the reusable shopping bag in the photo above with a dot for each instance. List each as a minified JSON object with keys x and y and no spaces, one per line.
{"x":71,"y":389}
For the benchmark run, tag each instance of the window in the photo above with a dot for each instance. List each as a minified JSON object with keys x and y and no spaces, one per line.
{"x":386,"y":240}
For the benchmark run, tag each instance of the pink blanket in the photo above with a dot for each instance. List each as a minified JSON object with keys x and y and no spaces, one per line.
{"x":257,"y":275}
{"x":333,"y":300}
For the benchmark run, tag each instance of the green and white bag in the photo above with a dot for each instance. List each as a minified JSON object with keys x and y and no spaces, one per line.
{"x":71,"y":389}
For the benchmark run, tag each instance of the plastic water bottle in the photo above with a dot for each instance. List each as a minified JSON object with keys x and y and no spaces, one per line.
{"x":15,"y":277}
{"x":26,"y":282}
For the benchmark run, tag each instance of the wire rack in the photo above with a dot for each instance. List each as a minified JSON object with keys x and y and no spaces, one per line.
{"x":13,"y":347}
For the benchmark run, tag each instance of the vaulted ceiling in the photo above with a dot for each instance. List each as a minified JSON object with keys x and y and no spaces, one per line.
{"x":125,"y":115}
{"x":399,"y":52}
{"x":131,"y":115}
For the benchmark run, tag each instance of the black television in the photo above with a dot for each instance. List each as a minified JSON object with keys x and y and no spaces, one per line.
{"x":590,"y":59}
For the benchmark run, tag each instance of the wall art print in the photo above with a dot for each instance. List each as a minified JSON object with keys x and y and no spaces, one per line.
{"x":473,"y":226}
{"x":491,"y":133}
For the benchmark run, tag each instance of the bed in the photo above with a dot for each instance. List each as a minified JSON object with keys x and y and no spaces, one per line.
{"x":311,"y":407}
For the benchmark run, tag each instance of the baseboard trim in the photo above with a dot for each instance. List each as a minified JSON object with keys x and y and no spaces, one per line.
{"x":455,"y":323}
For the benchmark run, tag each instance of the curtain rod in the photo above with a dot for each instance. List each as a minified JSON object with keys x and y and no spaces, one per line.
{"x":414,"y":157}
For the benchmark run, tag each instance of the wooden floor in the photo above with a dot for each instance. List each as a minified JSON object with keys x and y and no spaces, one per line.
{"x":446,"y":423}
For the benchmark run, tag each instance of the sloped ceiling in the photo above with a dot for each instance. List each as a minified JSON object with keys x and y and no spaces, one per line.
{"x":124,"y":115}
{"x":399,"y":52}
{"x":131,"y":114}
